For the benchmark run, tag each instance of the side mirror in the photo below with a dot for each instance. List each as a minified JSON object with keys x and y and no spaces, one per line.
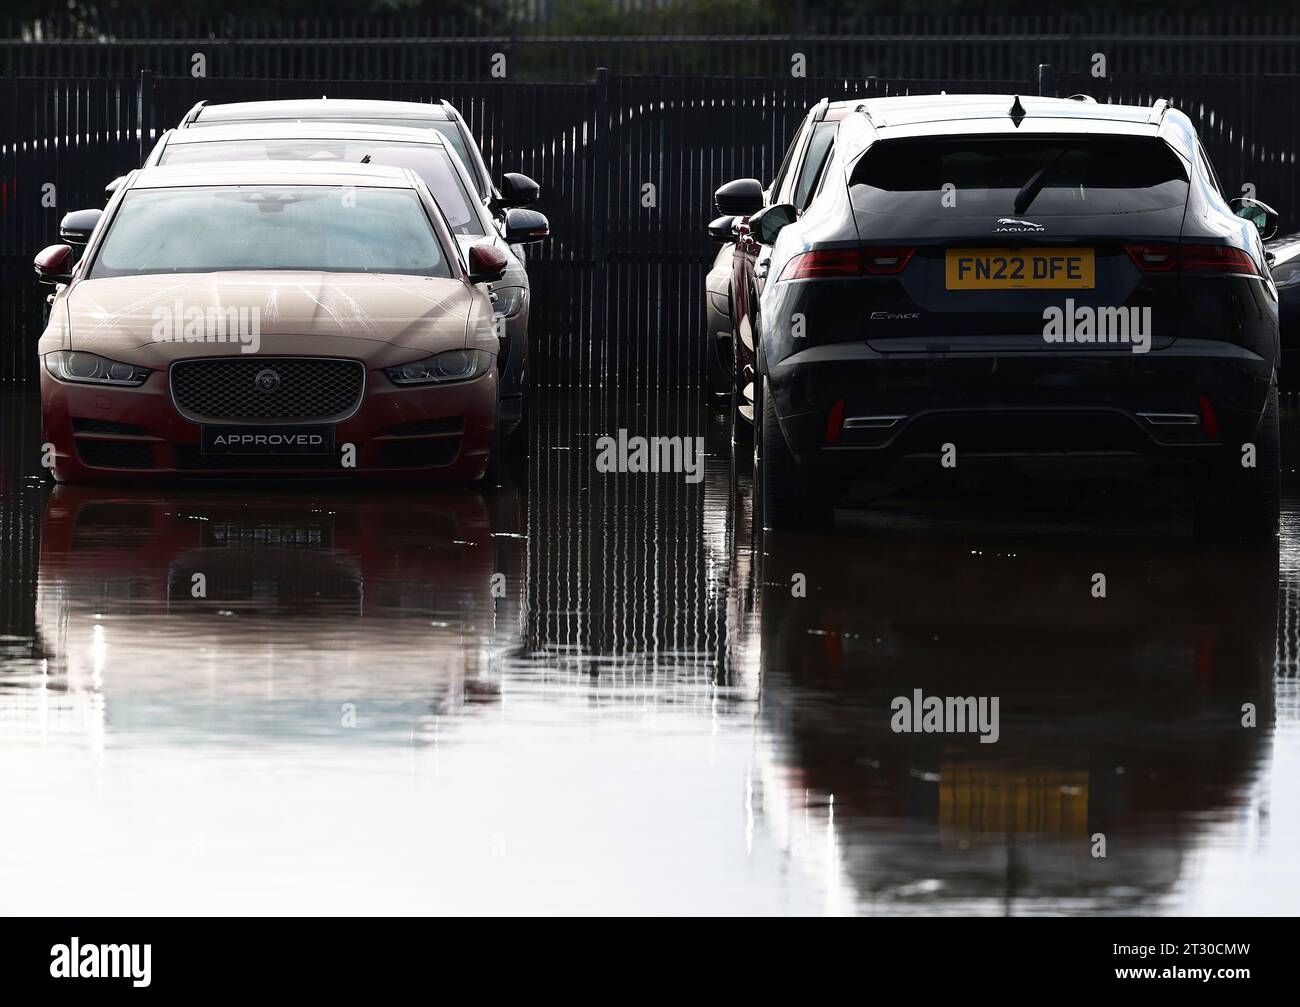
{"x":114,"y":185}
{"x":486,"y":263}
{"x":722,"y":228}
{"x":523,"y":226}
{"x":54,"y":264}
{"x":766,"y":224}
{"x":740,"y":197}
{"x":76,"y":226}
{"x":518,"y":190}
{"x":1263,"y":216}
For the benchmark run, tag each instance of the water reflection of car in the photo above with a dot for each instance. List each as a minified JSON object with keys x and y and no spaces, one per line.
{"x":1119,"y":716}
{"x":172,"y":601}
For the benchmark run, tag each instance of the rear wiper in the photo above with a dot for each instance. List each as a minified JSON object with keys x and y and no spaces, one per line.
{"x":1030,"y":190}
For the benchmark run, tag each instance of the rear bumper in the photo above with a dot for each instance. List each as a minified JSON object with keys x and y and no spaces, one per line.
{"x":436,"y":434}
{"x":1103,"y":404}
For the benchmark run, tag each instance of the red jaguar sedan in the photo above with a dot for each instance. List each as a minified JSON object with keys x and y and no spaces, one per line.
{"x":266,"y":319}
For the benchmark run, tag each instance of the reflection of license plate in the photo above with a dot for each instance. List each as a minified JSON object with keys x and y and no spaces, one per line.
{"x":982,"y":799}
{"x":280,"y":440}
{"x":1018,"y":268}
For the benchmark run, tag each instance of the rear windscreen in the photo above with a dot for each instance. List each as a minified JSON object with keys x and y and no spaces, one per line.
{"x":970,"y":176}
{"x":432,"y":164}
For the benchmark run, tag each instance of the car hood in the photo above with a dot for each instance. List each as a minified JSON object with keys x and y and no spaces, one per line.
{"x":150,"y":320}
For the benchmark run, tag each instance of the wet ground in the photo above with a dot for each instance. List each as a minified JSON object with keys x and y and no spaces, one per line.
{"x":576,"y":692}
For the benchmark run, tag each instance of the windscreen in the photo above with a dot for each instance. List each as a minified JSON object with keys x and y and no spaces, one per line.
{"x":1009,"y":175}
{"x":431,"y":163}
{"x":204,"y":229}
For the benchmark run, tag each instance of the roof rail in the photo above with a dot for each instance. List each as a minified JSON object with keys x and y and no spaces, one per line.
{"x":1083,"y":97}
{"x":877,"y":123}
{"x":193,"y":113}
{"x":1158,"y":111}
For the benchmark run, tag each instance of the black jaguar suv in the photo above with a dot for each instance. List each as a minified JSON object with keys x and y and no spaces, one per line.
{"x":990,"y":278}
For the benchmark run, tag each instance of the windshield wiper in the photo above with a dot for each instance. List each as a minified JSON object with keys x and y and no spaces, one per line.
{"x":1030,"y":190}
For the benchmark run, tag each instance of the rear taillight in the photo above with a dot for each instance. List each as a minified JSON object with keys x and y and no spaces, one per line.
{"x":1165,"y":258}
{"x":884,"y":261}
{"x":1217,"y":259}
{"x":827,"y":263}
{"x":823,"y":263}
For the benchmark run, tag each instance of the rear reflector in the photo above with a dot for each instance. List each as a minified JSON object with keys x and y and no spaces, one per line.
{"x":1165,"y":258}
{"x":827,"y":263}
{"x":1209,"y":422}
{"x":834,"y":422}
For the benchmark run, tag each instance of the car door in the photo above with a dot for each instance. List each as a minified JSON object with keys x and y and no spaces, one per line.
{"x":797,"y":186}
{"x":749,"y":253}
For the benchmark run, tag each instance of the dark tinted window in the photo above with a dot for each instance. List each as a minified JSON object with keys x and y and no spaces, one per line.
{"x":819,"y":149}
{"x":785,"y":162}
{"x":1209,"y":167}
{"x":1080,"y":176}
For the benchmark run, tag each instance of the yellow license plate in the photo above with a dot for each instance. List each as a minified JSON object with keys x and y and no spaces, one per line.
{"x":1020,"y":269}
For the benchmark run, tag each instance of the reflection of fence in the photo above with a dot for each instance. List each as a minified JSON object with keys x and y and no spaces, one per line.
{"x":628,"y":167}
{"x":21,"y":504}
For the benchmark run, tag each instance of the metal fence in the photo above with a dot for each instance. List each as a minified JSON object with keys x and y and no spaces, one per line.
{"x":920,"y":48}
{"x":628,"y":166}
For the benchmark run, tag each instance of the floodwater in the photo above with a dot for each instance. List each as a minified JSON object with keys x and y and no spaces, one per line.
{"x":575,"y":692}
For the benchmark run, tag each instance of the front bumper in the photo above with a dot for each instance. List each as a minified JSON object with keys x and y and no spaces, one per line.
{"x":436,"y":434}
{"x":1182,"y":404}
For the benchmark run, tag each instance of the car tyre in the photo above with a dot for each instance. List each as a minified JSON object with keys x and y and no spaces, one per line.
{"x":1241,"y":503}
{"x":719,"y":366}
{"x":791,"y":497}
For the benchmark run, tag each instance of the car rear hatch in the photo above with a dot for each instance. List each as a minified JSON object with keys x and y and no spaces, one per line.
{"x":1020,"y":243}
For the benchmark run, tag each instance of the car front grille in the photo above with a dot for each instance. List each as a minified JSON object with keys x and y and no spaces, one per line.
{"x":268,"y":389}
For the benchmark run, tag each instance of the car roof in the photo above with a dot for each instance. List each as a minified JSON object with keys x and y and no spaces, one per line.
{"x":315,"y":108}
{"x":271,"y":173}
{"x":309,"y":130}
{"x":936,"y":114}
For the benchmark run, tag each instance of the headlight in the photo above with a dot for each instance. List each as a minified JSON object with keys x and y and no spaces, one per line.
{"x":453,"y":365}
{"x":92,"y":369}
{"x":509,"y":300}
